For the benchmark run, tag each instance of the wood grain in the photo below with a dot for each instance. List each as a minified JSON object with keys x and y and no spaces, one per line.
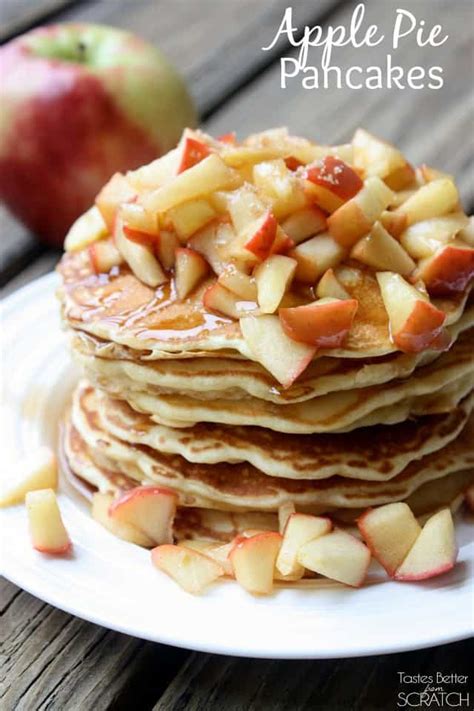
{"x":16,"y":16}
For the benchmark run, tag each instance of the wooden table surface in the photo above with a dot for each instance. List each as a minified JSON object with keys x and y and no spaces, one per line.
{"x":51,"y":660}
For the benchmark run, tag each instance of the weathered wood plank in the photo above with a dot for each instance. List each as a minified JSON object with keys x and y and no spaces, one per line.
{"x":55,"y":661}
{"x":16,"y":16}
{"x":433,"y":126}
{"x":213,"y":682}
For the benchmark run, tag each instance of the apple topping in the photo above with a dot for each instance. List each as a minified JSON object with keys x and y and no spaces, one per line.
{"x":87,"y":229}
{"x":190,"y":269}
{"x":260,"y":236}
{"x":329,"y":287}
{"x":276,"y":182}
{"x":211,"y":242}
{"x":47,"y":530}
{"x":337,"y":555}
{"x":269,"y":345}
{"x":166,"y":246}
{"x":434,"y":551}
{"x":273,"y":277}
{"x":315,"y":256}
{"x":189,"y":217}
{"x":323,"y":324}
{"x":253,"y":561}
{"x":449,"y":270}
{"x":139,"y":257}
{"x":374,"y":156}
{"x":192,"y":152}
{"x":402,"y":179}
{"x":137,"y":219}
{"x":300,"y":528}
{"x":192,"y":570}
{"x":304,"y":223}
{"x":390,"y":532}
{"x":284,"y":513}
{"x":218,"y":298}
{"x":431,"y":200}
{"x":117,"y":191}
{"x":101,"y":503}
{"x":241,"y":284}
{"x":415,"y":324}
{"x":151,"y":509}
{"x":424,"y":238}
{"x":104,"y":255}
{"x":333,"y":182}
{"x":381,"y":251}
{"x":38,"y":470}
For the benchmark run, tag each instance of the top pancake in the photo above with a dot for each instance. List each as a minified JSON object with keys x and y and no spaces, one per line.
{"x":118,"y":307}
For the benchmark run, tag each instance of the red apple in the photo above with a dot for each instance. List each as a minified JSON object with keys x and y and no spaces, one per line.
{"x":334,"y":181}
{"x":79,"y":103}
{"x":323,"y":324}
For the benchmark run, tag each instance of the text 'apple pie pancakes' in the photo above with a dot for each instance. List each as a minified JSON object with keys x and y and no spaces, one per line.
{"x":267,"y":327}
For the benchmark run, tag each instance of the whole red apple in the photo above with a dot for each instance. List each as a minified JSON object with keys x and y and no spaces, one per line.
{"x":80,"y":102}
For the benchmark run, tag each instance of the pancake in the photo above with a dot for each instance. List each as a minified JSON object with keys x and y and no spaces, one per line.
{"x":242,"y":486}
{"x":118,"y":307}
{"x":376,"y":453}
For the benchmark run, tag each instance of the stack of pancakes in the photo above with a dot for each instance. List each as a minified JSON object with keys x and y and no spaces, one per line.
{"x":172,"y":396}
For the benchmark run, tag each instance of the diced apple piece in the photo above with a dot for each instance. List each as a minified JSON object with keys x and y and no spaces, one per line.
{"x":304,"y":223}
{"x":355,"y":218}
{"x":203,"y":178}
{"x":329,"y":287}
{"x":381,"y":251}
{"x":87,"y":229}
{"x":155,"y":174}
{"x":190,"y":269}
{"x":434,"y":551}
{"x":424,"y":238}
{"x":196,"y":544}
{"x":135,"y":217}
{"x":239,"y":283}
{"x":431,"y":200}
{"x":449,"y":270}
{"x":253,"y":561}
{"x":151,"y":509}
{"x":101,"y":503}
{"x":38,"y":470}
{"x":273,"y":277}
{"x":334,"y":177}
{"x":284,"y":513}
{"x":338,"y":556}
{"x":283,"y":190}
{"x":192,"y":571}
{"x":165,"y":249}
{"x":221,"y":555}
{"x":415,"y":323}
{"x":374,"y":156}
{"x":115,"y":192}
{"x":299,"y":529}
{"x":315,"y":256}
{"x":189,"y":217}
{"x":147,"y":239}
{"x":218,"y":298}
{"x":47,"y":530}
{"x":390,"y":532}
{"x":192,"y":152}
{"x":260,"y":236}
{"x":401,"y":179}
{"x":103,"y":256}
{"x":283,"y":357}
{"x":323,"y":324}
{"x":227,"y":138}
{"x":427,"y":174}
{"x":467,"y":233}
{"x":139,"y":258}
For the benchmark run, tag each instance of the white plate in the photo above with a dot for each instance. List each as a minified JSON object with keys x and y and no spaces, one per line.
{"x":112,"y":583}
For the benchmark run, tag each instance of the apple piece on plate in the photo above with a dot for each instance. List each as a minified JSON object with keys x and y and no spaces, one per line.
{"x":304,"y":223}
{"x":329,"y":287}
{"x":424,"y":238}
{"x":381,"y":251}
{"x":324,"y":323}
{"x":332,"y":182}
{"x":390,"y":531}
{"x":273,"y":277}
{"x":116,"y":191}
{"x":239,"y":283}
{"x":253,"y":561}
{"x":190,"y":269}
{"x":284,"y":513}
{"x":201,"y":179}
{"x":103,"y":256}
{"x":101,"y":503}
{"x":191,"y":152}
{"x":431,"y":200}
{"x":434,"y":551}
{"x":269,"y":345}
{"x":449,"y":270}
{"x":88,"y":228}
{"x":47,"y":530}
{"x":196,"y":544}
{"x":39,"y":470}
{"x":355,"y":218}
{"x":189,"y":217}
{"x":192,"y":570}
{"x":218,"y":298}
{"x":374,"y":156}
{"x":338,"y":556}
{"x":415,"y":323}
{"x":221,"y":555}
{"x":315,"y":256}
{"x":300,"y":528}
{"x":139,"y":258}
{"x":151,"y":509}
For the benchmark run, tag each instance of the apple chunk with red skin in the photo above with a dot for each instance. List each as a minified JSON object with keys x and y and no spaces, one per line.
{"x":101,"y":503}
{"x":192,"y":152}
{"x":300,"y":528}
{"x":434,"y":551}
{"x":333,"y":182}
{"x":253,"y":561}
{"x":315,"y":256}
{"x":381,"y":251}
{"x":415,"y":324}
{"x":218,"y":298}
{"x":192,"y":570}
{"x":151,"y":509}
{"x":390,"y":532}
{"x":273,"y":277}
{"x":94,"y":100}
{"x":103,"y":256}
{"x":261,"y":236}
{"x":338,"y":556}
{"x":269,"y":345}
{"x":139,"y":257}
{"x":190,"y":269}
{"x":449,"y":270}
{"x":47,"y":530}
{"x":324,"y":323}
